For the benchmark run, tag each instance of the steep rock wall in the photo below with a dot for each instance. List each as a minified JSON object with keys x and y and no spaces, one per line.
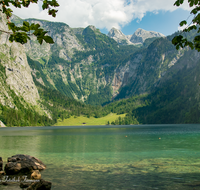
{"x":17,"y":76}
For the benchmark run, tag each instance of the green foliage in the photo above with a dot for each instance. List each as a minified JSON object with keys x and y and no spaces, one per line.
{"x":62,"y":106}
{"x":23,"y":117}
{"x":22,"y":114}
{"x":103,"y":95}
{"x":106,"y":55}
{"x":180,"y":41}
{"x":62,"y":87}
{"x":21,"y":34}
{"x":39,"y":72}
{"x":126,"y":106}
{"x":148,"y":41}
{"x":125,"y":121}
{"x":75,"y":89}
{"x":81,"y":39}
{"x":175,"y":100}
{"x":2,"y":68}
{"x":149,"y":68}
{"x":54,"y":59}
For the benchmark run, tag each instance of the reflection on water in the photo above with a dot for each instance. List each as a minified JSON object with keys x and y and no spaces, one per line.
{"x":133,"y":157}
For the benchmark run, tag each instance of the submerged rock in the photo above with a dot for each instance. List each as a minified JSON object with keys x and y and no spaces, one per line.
{"x":42,"y":184}
{"x":23,"y":164}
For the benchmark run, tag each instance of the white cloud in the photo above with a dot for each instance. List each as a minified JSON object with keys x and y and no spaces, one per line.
{"x":180,"y":28}
{"x":100,"y":13}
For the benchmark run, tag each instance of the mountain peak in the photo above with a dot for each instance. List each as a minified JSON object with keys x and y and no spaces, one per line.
{"x":118,"y":36}
{"x":92,"y":27}
{"x":140,"y":35}
{"x":114,"y":31}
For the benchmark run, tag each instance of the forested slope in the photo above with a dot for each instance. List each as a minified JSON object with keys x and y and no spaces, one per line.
{"x":175,"y":99}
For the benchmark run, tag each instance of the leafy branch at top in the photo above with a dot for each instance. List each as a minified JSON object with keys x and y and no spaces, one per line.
{"x":21,"y":34}
{"x":180,"y":41}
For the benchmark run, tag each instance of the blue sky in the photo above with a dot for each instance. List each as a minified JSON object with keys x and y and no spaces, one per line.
{"x":126,"y":15}
{"x":165,"y":22}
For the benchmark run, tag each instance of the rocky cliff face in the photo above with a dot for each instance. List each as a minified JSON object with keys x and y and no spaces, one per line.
{"x":15,"y":73}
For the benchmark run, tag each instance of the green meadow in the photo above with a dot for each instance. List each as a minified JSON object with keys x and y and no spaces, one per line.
{"x":75,"y":121}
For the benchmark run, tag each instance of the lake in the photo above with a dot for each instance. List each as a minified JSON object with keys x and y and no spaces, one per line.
{"x":111,"y":157}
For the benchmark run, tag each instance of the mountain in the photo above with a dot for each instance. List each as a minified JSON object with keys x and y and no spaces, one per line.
{"x":19,"y":94}
{"x":119,"y":37}
{"x":80,"y":64}
{"x":84,"y":67}
{"x":141,"y":35}
{"x":15,"y":72}
{"x":138,"y":38}
{"x":87,"y":65}
{"x":25,"y":96}
{"x":145,"y":68}
{"x":174,"y":99}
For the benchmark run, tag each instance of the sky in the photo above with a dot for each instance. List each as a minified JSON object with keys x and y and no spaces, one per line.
{"x":127,"y":15}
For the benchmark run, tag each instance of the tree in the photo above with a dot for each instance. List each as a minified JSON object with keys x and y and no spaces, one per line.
{"x":180,"y":41}
{"x":22,"y":34}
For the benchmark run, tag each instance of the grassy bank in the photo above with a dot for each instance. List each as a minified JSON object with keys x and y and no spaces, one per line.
{"x":88,"y":121}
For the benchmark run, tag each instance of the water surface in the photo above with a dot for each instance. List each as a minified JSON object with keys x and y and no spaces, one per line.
{"x":119,"y":157}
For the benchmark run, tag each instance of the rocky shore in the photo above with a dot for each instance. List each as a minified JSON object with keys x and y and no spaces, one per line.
{"x":23,"y":172}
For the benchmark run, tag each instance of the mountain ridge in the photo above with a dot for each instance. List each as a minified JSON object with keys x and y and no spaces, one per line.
{"x":80,"y":55}
{"x":137,"y":38}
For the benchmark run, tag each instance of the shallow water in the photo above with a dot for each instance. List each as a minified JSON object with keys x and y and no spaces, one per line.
{"x":119,"y":157}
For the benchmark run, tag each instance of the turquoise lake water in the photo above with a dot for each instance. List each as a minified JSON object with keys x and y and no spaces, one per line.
{"x":114,"y":158}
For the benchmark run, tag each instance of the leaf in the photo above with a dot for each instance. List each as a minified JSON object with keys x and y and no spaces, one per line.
{"x":53,"y":12}
{"x":25,"y":27}
{"x":34,"y":26}
{"x":184,"y":22}
{"x":48,"y":39}
{"x":178,"y":3}
{"x":25,"y":23}
{"x":40,"y":40}
{"x":177,"y":39}
{"x":11,"y":26}
{"x":191,"y":3}
{"x":196,"y":2}
{"x":45,"y":5}
{"x":194,"y":11}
